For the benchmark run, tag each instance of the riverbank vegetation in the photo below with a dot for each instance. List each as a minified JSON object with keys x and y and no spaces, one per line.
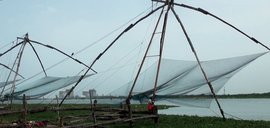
{"x":252,"y":95}
{"x":176,"y":121}
{"x":232,"y":96}
{"x":165,"y":121}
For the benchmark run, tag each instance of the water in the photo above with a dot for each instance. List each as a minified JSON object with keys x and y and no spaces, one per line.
{"x":247,"y":109}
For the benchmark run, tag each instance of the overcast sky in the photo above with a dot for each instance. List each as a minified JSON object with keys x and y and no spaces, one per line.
{"x":73,"y":25}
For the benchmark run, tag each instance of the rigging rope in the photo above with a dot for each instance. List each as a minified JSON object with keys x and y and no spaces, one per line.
{"x":1,"y":54}
{"x":11,"y":70}
{"x":233,"y":116}
{"x":51,"y":47}
{"x":236,"y":117}
{"x":144,"y":38}
{"x":113,"y":67}
{"x":6,"y":45}
{"x":92,"y":44}
{"x":218,"y":18}
{"x":75,"y":53}
{"x":108,"y":47}
{"x":227,"y":23}
{"x":12,"y":42}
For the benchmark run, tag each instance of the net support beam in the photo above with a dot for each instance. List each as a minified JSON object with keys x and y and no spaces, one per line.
{"x":218,"y":18}
{"x":144,"y":57}
{"x":199,"y":63}
{"x":162,"y":39}
{"x":18,"y":61}
{"x":141,"y":65}
{"x":41,"y":64}
{"x":223,"y":21}
{"x":51,"y":47}
{"x":11,"y":70}
{"x":1,"y":54}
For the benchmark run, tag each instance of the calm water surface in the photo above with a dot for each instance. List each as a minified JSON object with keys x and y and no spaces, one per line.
{"x":247,"y":109}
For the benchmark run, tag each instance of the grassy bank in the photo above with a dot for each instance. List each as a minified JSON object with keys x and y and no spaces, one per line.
{"x":165,"y":121}
{"x":175,"y":121}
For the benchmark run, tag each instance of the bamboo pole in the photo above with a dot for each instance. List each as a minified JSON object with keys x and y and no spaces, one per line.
{"x":58,"y":112}
{"x":90,"y":97}
{"x":24,"y":114}
{"x":162,"y":39}
{"x":199,"y":63}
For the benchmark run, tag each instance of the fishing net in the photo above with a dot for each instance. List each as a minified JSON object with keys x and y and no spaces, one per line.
{"x":180,"y":78}
{"x":2,"y":84}
{"x":44,"y":86}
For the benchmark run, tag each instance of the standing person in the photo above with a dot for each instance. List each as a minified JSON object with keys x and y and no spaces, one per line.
{"x":150,"y":106}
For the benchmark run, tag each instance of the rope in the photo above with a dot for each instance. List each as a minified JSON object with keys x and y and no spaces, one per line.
{"x":214,"y":112}
{"x":12,"y":42}
{"x":108,"y":47}
{"x":92,"y":44}
{"x":1,"y":54}
{"x":225,"y":22}
{"x":144,"y":38}
{"x":110,"y":33}
{"x":236,"y":117}
{"x":6,"y":45}
{"x":11,"y":70}
{"x":233,"y":116}
{"x":111,"y":68}
{"x":85,"y":48}
{"x":51,"y":47}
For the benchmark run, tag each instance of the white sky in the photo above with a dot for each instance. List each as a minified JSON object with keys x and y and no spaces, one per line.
{"x":72,"y":25}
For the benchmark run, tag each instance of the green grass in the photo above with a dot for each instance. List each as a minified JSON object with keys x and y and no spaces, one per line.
{"x":165,"y":121}
{"x":175,"y":121}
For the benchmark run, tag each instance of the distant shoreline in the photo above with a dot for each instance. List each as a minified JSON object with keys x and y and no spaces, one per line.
{"x":236,"y":96}
{"x":252,"y":95}
{"x":227,"y":96}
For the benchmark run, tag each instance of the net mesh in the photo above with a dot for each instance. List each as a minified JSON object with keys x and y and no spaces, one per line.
{"x":179,"y":78}
{"x":2,"y":84}
{"x":44,"y":86}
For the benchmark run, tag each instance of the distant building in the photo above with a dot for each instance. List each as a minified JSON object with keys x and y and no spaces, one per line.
{"x":62,"y":94}
{"x":85,"y":93}
{"x":71,"y":95}
{"x":91,"y":91}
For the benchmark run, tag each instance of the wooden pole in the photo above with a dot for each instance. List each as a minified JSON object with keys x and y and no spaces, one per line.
{"x":92,"y":109}
{"x":162,"y":40}
{"x":141,"y":65}
{"x":19,"y":57}
{"x":58,"y":112}
{"x":24,"y":110}
{"x":90,"y":97}
{"x":199,"y":63}
{"x":61,"y":122}
{"x":93,"y":113}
